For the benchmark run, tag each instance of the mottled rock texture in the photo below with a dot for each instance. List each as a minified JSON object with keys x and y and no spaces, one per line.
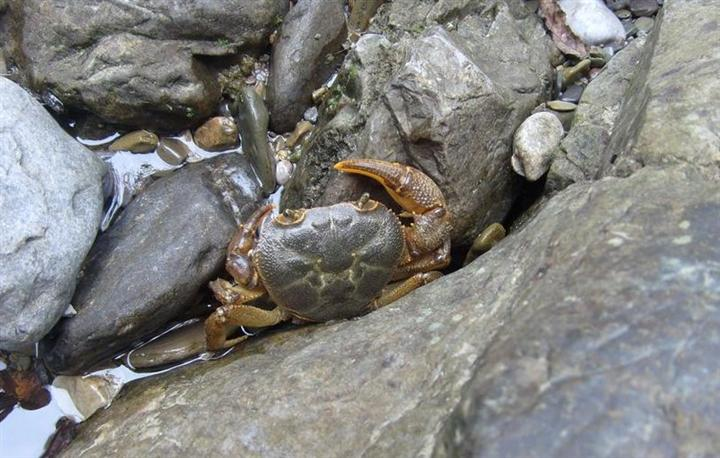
{"x":50,"y":207}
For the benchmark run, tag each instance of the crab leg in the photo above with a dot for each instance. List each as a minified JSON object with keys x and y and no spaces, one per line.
{"x":416,"y":193}
{"x":397,"y":290}
{"x":234,"y":315}
{"x":246,"y":287}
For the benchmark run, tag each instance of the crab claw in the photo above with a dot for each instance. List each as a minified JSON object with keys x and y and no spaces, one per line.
{"x":414,"y":191}
{"x":417,"y":194}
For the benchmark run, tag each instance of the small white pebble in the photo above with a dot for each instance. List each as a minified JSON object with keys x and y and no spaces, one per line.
{"x":684,"y":225}
{"x":533,"y":144}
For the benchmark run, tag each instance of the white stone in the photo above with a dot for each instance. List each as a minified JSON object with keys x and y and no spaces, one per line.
{"x":533,"y":144}
{"x":593,"y":22}
{"x":283,"y":171}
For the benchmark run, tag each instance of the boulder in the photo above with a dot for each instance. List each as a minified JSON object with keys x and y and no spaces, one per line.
{"x":306,"y":53}
{"x":580,"y":154}
{"x":673,"y":111}
{"x":445,"y":99}
{"x":612,"y":280}
{"x":50,"y":207}
{"x":155,"y":260}
{"x":143,"y":63}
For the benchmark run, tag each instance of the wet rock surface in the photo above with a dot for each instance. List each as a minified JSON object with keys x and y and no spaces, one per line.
{"x":50,"y":208}
{"x":638,"y":301}
{"x":155,"y":260}
{"x":434,"y":101}
{"x":304,"y":56}
{"x":141,"y":64}
{"x":252,"y":122}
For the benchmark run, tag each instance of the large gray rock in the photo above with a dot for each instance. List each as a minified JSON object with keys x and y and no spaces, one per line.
{"x":136,"y":63}
{"x":155,"y":261}
{"x":612,"y":347}
{"x":612,"y":280}
{"x":581,"y":152}
{"x":50,"y":207}
{"x":446,"y":102}
{"x":673,"y":114}
{"x":304,"y":56}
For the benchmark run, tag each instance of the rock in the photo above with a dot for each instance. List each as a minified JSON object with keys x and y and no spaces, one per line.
{"x":561,"y":106}
{"x":533,"y":144}
{"x":618,"y":352}
{"x":580,"y":154}
{"x":91,"y":393}
{"x":143,"y":64}
{"x":643,"y":7}
{"x":217,"y":134}
{"x":593,"y":22}
{"x":304,"y":56}
{"x":173,"y":151}
{"x":432,"y":101}
{"x":140,"y":141}
{"x":644,"y":24}
{"x":50,"y":208}
{"x":611,"y":281}
{"x":572,"y":94}
{"x":252,"y":122}
{"x":155,"y":260}
{"x":673,"y":109}
{"x":361,"y":12}
{"x":284,"y":171}
{"x":174,"y":346}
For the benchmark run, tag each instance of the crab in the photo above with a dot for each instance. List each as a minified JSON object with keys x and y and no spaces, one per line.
{"x":335,"y":262}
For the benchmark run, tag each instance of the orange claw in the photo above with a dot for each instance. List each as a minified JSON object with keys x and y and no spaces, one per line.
{"x":412,"y":189}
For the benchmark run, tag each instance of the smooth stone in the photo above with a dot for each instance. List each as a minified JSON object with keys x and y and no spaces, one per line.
{"x":89,"y":393}
{"x":623,"y":14}
{"x":533,"y":144}
{"x":644,"y":7}
{"x":304,"y":56}
{"x":572,"y":94}
{"x":284,"y":171}
{"x":50,"y":207}
{"x":616,"y":5}
{"x":301,"y":129}
{"x":593,"y":22}
{"x":173,"y":151}
{"x":139,"y":141}
{"x":559,"y":105}
{"x":424,"y":100}
{"x":252,"y":122}
{"x":572,"y":338}
{"x":644,"y":24}
{"x":485,"y":241}
{"x":217,"y":134}
{"x":148,"y":64}
{"x":174,"y":346}
{"x":155,"y":261}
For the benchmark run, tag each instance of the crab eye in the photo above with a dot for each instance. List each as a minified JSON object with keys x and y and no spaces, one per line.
{"x":290,"y":217}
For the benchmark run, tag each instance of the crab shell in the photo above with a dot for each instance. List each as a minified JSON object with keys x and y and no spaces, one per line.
{"x":330,"y":263}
